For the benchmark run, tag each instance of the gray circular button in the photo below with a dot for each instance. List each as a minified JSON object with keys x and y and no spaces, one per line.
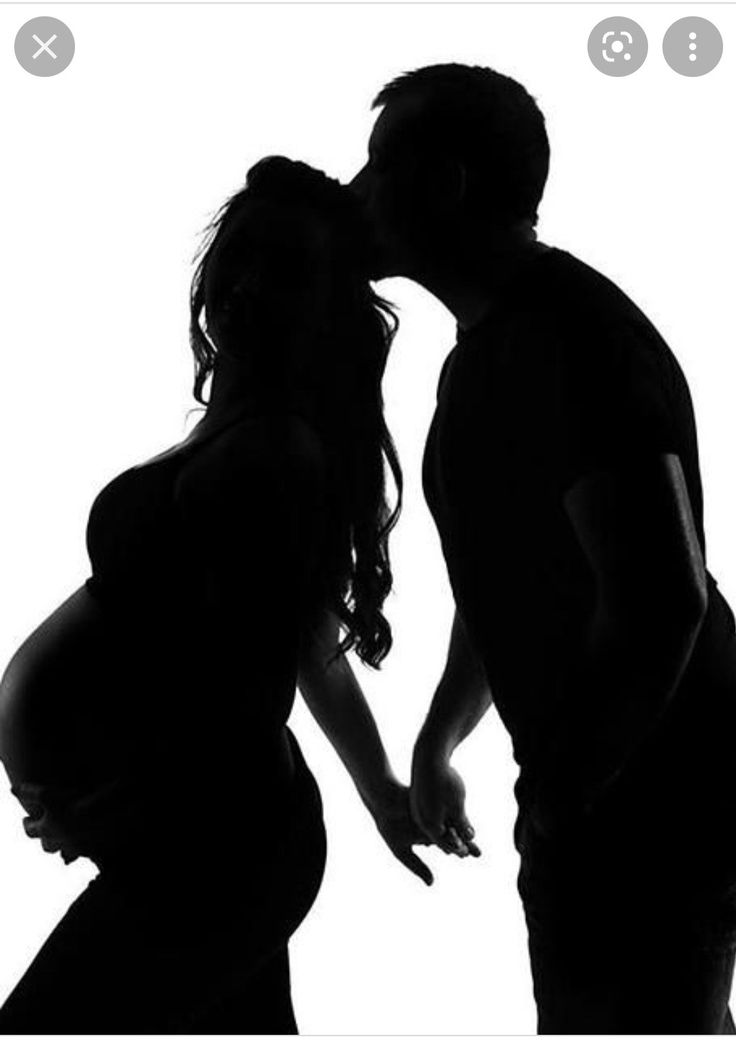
{"x":618,"y":46}
{"x":692,"y":46}
{"x":44,"y":46}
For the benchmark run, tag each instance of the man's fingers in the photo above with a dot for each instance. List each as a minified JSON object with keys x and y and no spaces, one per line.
{"x":416,"y":865}
{"x":465,"y":830}
{"x":450,"y":842}
{"x":455,"y":842}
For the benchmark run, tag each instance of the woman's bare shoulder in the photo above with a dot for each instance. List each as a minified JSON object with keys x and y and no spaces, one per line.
{"x":282,"y":448}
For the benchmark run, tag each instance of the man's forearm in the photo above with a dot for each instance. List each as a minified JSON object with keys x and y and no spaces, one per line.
{"x":453,"y":715}
{"x":461,"y":699}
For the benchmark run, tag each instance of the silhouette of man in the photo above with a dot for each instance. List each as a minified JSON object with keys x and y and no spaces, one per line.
{"x":561,"y":469}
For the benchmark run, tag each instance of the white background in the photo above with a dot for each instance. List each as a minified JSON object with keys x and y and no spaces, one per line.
{"x":110,"y":171}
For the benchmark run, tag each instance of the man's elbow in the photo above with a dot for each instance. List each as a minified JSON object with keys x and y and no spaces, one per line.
{"x":692,"y":603}
{"x":670,"y":608}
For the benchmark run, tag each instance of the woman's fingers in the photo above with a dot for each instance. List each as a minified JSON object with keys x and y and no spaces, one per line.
{"x":76,"y":822}
{"x":31,"y":827}
{"x":39,"y":828}
{"x":50,"y":845}
{"x":415,"y":864}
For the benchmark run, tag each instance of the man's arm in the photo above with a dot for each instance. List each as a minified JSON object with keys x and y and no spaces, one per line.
{"x":636,"y":528}
{"x":335,"y":699}
{"x":461,"y":699}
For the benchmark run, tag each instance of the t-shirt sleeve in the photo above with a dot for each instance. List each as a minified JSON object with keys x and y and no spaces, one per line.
{"x":612,"y":402}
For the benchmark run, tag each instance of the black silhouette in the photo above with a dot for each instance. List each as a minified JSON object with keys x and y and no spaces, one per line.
{"x":561,"y":469}
{"x":143,"y":723}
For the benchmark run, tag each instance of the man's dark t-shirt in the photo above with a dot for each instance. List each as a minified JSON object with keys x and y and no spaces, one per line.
{"x":563,"y":377}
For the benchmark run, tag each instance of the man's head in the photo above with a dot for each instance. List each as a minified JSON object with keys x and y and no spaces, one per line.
{"x":458,"y":157}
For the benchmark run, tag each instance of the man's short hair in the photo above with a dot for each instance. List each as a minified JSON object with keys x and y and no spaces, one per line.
{"x":490,"y":123}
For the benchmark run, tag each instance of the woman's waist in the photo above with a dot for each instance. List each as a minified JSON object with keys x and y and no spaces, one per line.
{"x":235,"y":814}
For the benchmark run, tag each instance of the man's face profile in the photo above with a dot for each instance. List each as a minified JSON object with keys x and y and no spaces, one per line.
{"x":389,"y":185}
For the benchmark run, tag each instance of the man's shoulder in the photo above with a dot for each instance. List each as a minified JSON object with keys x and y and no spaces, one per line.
{"x":577,"y":303}
{"x":571,"y":330}
{"x":580,"y":319}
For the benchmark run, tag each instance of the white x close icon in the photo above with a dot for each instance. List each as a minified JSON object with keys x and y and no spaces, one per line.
{"x":44,"y":46}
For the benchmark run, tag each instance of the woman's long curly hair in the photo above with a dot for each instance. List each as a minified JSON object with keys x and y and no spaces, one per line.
{"x":250,"y":289}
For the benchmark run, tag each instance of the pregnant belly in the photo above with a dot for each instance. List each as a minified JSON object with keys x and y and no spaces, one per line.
{"x":61,"y":698}
{"x":84,"y":706}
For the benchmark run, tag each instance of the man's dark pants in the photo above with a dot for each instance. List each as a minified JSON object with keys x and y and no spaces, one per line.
{"x":631,"y":921}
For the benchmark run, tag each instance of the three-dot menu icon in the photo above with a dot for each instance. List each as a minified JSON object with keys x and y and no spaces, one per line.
{"x":692,"y":46}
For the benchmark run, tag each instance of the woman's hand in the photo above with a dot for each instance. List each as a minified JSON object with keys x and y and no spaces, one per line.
{"x":75,"y":822}
{"x":438,"y":805}
{"x":42,"y":823}
{"x":393,"y":818}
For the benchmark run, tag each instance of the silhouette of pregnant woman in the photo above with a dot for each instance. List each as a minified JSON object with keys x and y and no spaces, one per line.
{"x":143,"y":724}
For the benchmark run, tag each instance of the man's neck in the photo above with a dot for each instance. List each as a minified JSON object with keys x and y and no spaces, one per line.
{"x":471,"y":285}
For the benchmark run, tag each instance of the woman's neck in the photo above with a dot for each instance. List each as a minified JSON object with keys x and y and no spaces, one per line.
{"x":236,"y":389}
{"x":235,"y":386}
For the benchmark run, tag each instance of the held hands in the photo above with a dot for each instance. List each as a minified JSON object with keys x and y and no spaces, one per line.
{"x":392,"y":815}
{"x":438,"y":804}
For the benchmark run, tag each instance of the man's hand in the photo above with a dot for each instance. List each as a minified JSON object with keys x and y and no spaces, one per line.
{"x":394,"y":821}
{"x":438,"y":805}
{"x":462,"y":698}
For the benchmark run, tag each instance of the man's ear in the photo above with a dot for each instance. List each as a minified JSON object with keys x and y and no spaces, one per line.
{"x":449,"y":183}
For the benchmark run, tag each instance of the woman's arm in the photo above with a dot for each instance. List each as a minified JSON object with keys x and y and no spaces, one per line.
{"x":335,"y":699}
